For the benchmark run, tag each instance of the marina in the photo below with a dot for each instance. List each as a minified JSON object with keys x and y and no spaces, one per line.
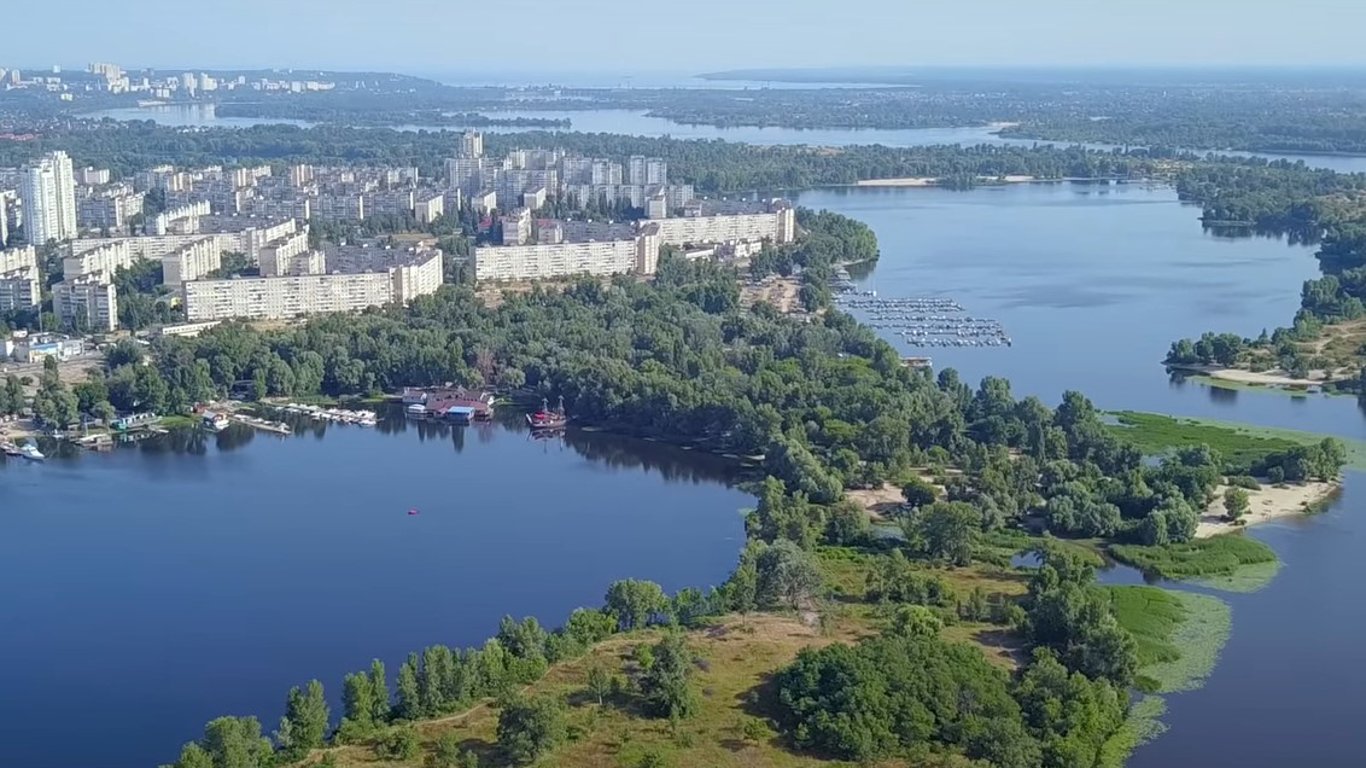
{"x":360,"y":418}
{"x":925,"y":321}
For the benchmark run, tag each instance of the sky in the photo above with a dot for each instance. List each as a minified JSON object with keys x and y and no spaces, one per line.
{"x":465,"y":38}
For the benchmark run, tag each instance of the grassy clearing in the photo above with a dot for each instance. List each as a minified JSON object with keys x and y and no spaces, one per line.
{"x":1239,"y":444}
{"x":1151,"y":615}
{"x":737,"y":657}
{"x":1227,"y":561}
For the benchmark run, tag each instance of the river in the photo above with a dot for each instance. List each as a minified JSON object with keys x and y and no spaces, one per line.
{"x":165,"y":561}
{"x":156,"y":587}
{"x":638,"y":123}
{"x":1093,"y":283}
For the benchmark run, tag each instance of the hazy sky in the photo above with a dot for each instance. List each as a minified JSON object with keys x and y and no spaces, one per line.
{"x":679,"y":36}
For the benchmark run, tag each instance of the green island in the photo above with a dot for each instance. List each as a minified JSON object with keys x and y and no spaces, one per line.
{"x":831,"y":642}
{"x":1322,"y":348}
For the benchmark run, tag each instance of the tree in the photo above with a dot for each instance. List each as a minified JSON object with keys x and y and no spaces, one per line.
{"x":401,"y":743}
{"x":599,"y":683}
{"x":409,"y":692}
{"x":1235,"y":503}
{"x":634,"y":601}
{"x":786,"y":575}
{"x":447,"y":753}
{"x":528,"y":728}
{"x":666,"y":684}
{"x":304,"y":725}
{"x":918,"y":493}
{"x":229,"y":742}
{"x":948,"y":530}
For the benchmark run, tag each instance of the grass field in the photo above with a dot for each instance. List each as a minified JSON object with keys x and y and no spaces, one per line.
{"x":1239,"y":444}
{"x":735,"y":660}
{"x":1231,"y":561}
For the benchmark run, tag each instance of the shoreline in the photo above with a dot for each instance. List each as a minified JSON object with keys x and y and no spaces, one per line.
{"x":1267,"y":504}
{"x":987,"y":181}
{"x":1245,"y":376}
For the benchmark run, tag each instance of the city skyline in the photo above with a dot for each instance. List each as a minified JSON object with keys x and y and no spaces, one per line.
{"x":412,"y":36}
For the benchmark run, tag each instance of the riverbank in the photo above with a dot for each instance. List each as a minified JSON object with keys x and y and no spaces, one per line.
{"x":931,"y":181}
{"x":1269,"y":503}
{"x":1268,"y":378}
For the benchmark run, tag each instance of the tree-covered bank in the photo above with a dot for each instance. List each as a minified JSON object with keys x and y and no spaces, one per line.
{"x":831,"y":408}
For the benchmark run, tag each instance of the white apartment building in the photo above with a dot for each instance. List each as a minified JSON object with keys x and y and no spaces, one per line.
{"x":86,"y":303}
{"x":19,"y":286}
{"x":517,"y":227}
{"x":93,"y":177}
{"x":534,"y":199}
{"x":109,"y":209}
{"x":277,"y":258}
{"x":779,"y":226}
{"x":101,"y":261}
{"x":49,"y":195}
{"x":540,"y":262}
{"x":471,"y":144}
{"x":282,"y":297}
{"x":4,"y":220}
{"x":428,"y":207}
{"x":191,"y":262}
{"x":484,"y":202}
{"x":182,"y":220}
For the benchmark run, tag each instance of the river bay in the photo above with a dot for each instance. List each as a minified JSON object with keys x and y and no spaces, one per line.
{"x":1093,"y":283}
{"x":156,"y":587}
{"x":153,"y":589}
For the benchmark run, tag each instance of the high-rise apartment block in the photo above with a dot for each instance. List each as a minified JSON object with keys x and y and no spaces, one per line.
{"x":49,"y":196}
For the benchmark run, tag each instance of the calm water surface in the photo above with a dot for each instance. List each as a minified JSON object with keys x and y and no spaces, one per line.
{"x":638,"y":123}
{"x":1093,"y":283}
{"x":154,"y":588}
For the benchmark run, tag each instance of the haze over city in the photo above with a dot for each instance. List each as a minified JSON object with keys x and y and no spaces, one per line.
{"x":432,"y":37}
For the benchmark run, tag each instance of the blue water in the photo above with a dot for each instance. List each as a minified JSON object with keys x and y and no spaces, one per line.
{"x":152,"y":589}
{"x":1093,"y":283}
{"x":638,"y":123}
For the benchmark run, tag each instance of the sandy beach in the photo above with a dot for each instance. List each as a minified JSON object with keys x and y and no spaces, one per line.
{"x":1269,"y":503}
{"x":1272,"y":378}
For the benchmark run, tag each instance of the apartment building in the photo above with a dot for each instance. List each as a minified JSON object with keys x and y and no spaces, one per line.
{"x":428,"y":207}
{"x":279,"y":257}
{"x":109,"y":209}
{"x":86,"y":303}
{"x":19,"y":285}
{"x":100,"y":261}
{"x":49,"y":196}
{"x":192,"y":261}
{"x":539,"y":262}
{"x":410,"y":274}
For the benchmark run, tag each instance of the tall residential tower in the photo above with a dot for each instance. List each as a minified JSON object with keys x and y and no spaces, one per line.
{"x":49,"y":197}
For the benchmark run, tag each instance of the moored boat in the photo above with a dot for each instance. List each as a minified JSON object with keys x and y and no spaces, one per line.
{"x":31,"y":452}
{"x":546,"y":419}
{"x":216,"y":421}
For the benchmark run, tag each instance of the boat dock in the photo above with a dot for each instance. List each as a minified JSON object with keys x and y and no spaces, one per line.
{"x":360,"y":418}
{"x":265,"y":425}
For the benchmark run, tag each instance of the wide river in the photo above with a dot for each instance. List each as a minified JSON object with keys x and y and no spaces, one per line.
{"x":1092,"y":284}
{"x":638,"y":123}
{"x":154,"y":588}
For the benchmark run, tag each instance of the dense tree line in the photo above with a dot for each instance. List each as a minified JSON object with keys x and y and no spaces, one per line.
{"x":712,"y":166}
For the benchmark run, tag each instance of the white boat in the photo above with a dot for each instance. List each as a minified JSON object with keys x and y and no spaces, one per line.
{"x":31,"y":452}
{"x":216,"y":421}
{"x":416,"y":410}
